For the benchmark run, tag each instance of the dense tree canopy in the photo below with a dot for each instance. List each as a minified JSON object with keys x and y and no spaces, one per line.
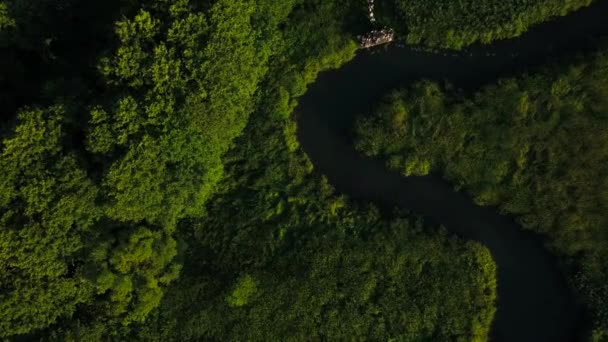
{"x":300,"y":262}
{"x":457,"y":23}
{"x":185,"y":82}
{"x":536,"y":147}
{"x":129,"y":211}
{"x":153,"y":187}
{"x":46,"y":205}
{"x":89,"y":231}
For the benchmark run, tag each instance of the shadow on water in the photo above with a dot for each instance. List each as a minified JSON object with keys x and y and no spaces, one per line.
{"x":534,"y":301}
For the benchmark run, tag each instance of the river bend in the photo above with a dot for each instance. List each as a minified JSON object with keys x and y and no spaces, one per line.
{"x":534,"y":301}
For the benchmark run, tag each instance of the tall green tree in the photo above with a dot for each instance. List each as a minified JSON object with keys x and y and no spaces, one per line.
{"x":47,"y":205}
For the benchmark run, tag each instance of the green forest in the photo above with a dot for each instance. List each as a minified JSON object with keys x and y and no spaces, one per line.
{"x":534,"y":146}
{"x":454,"y":24}
{"x":130,"y":212}
{"x":152,"y":186}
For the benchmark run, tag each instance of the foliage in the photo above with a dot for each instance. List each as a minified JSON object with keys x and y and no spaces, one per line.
{"x":46,"y":205}
{"x":135,"y":205}
{"x":132,"y":270}
{"x":5,"y":20}
{"x":297,"y":261}
{"x":456,"y":23}
{"x":91,"y":233}
{"x":244,"y":289}
{"x":536,"y":147}
{"x":194,"y":91}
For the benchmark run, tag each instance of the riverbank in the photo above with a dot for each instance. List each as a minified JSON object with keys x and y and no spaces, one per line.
{"x":535,"y":302}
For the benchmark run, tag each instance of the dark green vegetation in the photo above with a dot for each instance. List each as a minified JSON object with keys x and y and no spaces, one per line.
{"x":295,"y":261}
{"x":175,"y":90}
{"x":535,"y":147}
{"x":455,"y":24}
{"x":135,"y":203}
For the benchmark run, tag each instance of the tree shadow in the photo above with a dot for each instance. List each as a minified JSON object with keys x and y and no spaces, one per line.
{"x":52,"y":51}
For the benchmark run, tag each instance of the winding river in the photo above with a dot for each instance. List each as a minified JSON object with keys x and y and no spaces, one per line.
{"x":534,"y":301}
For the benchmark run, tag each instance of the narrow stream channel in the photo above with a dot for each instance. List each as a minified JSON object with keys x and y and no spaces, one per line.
{"x":534,"y":301}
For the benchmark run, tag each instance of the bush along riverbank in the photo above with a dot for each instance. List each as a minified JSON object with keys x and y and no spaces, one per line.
{"x":535,"y":146}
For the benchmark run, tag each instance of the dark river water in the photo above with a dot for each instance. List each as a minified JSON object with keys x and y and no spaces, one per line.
{"x":534,"y":301}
